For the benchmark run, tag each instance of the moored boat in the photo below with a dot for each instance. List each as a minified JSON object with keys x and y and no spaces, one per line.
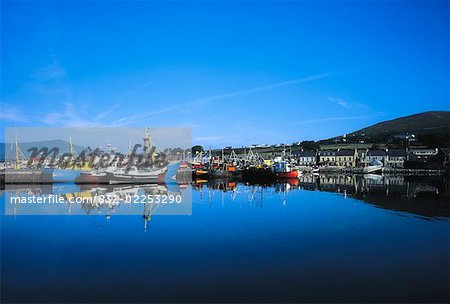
{"x":256,"y":174}
{"x":374,"y":167}
{"x":134,"y":176}
{"x":283,"y":170}
{"x":91,"y":177}
{"x":226,"y":171}
{"x":286,"y":175}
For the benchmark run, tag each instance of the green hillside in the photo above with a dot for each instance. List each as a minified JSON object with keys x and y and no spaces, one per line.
{"x":431,"y":128}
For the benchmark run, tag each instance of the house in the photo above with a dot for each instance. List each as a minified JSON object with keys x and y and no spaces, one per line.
{"x":375,"y":156}
{"x":305,"y":158}
{"x":424,"y":158}
{"x":395,"y":158}
{"x":421,"y":153}
{"x":346,"y":158}
{"x":327,"y":157}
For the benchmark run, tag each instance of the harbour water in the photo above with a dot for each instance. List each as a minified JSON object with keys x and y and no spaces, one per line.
{"x":319,"y":239}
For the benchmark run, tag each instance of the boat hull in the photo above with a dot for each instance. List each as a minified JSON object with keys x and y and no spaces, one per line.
{"x":224,"y":174}
{"x":151,"y":178}
{"x":91,"y":178}
{"x":257,"y":174}
{"x":372,"y":169}
{"x":286,"y":175}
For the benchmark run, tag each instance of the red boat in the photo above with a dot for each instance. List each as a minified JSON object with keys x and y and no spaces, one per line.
{"x":282,"y":170}
{"x":287,"y":175}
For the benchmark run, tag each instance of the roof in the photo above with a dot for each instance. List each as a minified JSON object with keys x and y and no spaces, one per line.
{"x":345,"y":153}
{"x":328,"y":153}
{"x":304,"y":153}
{"x":376,"y":153}
{"x":396,"y":153}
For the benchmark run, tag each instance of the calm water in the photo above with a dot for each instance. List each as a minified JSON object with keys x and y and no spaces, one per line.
{"x":327,"y":239}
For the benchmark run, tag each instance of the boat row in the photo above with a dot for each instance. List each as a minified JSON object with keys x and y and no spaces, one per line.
{"x":235,"y":168}
{"x":130,"y":175}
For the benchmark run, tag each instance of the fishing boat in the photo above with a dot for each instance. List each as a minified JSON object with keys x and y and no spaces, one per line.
{"x":225,"y":171}
{"x":134,"y":176}
{"x":257,"y":173}
{"x":91,"y":177}
{"x":200,"y":170}
{"x":283,"y":170}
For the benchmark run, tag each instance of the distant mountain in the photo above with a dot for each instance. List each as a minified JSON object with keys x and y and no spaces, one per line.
{"x":432,"y":128}
{"x":8,"y":149}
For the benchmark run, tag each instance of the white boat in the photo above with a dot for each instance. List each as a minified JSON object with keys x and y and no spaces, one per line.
{"x":375,"y":166}
{"x":134,"y":176}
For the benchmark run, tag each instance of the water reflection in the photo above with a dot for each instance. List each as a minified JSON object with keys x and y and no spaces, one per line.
{"x":423,"y":196}
{"x":427,"y":196}
{"x":286,"y":238}
{"x":71,"y":199}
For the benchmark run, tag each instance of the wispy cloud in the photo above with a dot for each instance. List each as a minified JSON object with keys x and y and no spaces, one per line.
{"x":132,"y":119}
{"x":332,"y":119}
{"x":339,"y":101}
{"x":348,"y":104}
{"x":106,"y":113}
{"x":11,"y":113}
{"x":71,"y":116}
{"x":265,"y":87}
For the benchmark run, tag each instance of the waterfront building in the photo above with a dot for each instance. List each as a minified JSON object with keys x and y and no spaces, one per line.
{"x":424,"y":158}
{"x":346,"y":158}
{"x":305,"y":158}
{"x":421,"y":153}
{"x":327,"y":157}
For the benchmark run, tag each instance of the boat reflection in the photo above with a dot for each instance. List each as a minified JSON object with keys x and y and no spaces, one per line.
{"x":426,"y":197}
{"x":71,"y":199}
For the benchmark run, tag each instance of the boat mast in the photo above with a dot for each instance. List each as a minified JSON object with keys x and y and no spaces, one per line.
{"x":148,"y":145}
{"x":73,"y":152}
{"x":20,"y":157}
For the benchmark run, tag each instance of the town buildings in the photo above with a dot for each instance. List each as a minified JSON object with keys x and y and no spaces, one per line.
{"x":408,"y":158}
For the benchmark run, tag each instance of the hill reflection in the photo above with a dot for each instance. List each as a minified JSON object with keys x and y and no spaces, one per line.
{"x":422,"y":196}
{"x":427,"y":196}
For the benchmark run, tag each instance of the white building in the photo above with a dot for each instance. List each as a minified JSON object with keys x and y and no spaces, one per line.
{"x":305,"y":158}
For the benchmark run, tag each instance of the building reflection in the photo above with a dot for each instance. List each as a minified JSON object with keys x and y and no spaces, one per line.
{"x":426,"y":196}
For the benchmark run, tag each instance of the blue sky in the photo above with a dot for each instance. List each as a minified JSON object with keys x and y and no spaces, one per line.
{"x":238,"y":73}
